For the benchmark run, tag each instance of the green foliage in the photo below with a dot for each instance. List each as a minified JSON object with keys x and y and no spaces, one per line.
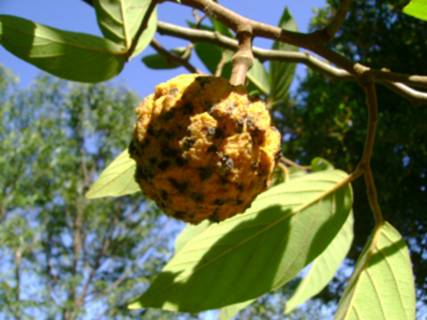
{"x":417,"y":9}
{"x":297,"y":219}
{"x":159,"y":61}
{"x":382,"y":286}
{"x":116,"y":180}
{"x":324,"y":267}
{"x":282,"y":73}
{"x":120,"y":20}
{"x":69,"y":55}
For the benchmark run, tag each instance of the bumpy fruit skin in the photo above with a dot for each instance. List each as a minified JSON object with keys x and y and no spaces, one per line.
{"x":203,"y":149}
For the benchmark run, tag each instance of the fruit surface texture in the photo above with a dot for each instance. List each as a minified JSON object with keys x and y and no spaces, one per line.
{"x":203,"y":148}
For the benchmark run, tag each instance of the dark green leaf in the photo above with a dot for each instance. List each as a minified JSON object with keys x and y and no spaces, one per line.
{"x":282,"y":73}
{"x":382,"y":285}
{"x":209,"y":54}
{"x":159,"y":61}
{"x":120,"y":20}
{"x":417,"y":9}
{"x":69,"y":55}
{"x":284,"y":230}
{"x":259,"y":77}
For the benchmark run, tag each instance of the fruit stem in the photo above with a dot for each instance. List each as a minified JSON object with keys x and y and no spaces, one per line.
{"x":242,"y":59}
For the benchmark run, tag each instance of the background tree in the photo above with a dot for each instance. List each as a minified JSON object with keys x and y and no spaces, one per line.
{"x":63,"y":257}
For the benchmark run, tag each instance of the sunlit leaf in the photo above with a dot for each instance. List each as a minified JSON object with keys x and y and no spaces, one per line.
{"x":417,"y":9}
{"x":120,"y":20}
{"x":116,"y":180}
{"x":243,"y":257}
{"x":189,"y":232}
{"x":69,"y":55}
{"x":229,"y":312}
{"x":323,"y":267}
{"x":320,"y":164}
{"x":382,"y":286}
{"x":281,"y":72}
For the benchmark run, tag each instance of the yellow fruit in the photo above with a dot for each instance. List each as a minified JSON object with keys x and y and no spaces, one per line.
{"x":203,"y":148}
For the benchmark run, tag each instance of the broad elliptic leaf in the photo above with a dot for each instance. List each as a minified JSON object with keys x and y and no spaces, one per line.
{"x":189,"y":232}
{"x":120,"y":20}
{"x":417,"y":9}
{"x":382,"y":285}
{"x":320,"y":164}
{"x":209,"y":54}
{"x":259,"y":77}
{"x":116,"y":180}
{"x":282,"y":73}
{"x":69,"y":55}
{"x":250,"y":254}
{"x":324,"y":267}
{"x":159,"y":61}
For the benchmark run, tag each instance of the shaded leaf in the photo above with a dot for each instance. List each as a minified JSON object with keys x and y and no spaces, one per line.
{"x":259,"y":77}
{"x":119,"y":22}
{"x":417,"y":9}
{"x":320,"y":164}
{"x":282,"y":73}
{"x":209,"y":54}
{"x":323,"y":267}
{"x":69,"y":55}
{"x":159,"y":61}
{"x":116,"y":180}
{"x":250,"y":254}
{"x":382,"y":285}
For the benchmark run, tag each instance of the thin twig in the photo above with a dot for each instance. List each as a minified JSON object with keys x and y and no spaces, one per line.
{"x":170,"y":56}
{"x":294,"y":57}
{"x":365,"y":162}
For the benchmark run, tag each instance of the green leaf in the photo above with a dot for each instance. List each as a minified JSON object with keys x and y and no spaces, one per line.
{"x":282,"y":73}
{"x":119,"y":21}
{"x":417,"y":9}
{"x":259,"y":77}
{"x":116,"y":180}
{"x":69,"y":55}
{"x":382,"y":285}
{"x":209,"y":54}
{"x":159,"y":61}
{"x":320,"y":164}
{"x":189,"y":232}
{"x":221,"y":28}
{"x":243,"y":257}
{"x":229,"y":312}
{"x":323,"y":267}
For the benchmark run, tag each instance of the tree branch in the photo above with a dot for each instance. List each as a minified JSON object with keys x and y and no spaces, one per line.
{"x":242,"y":59}
{"x":300,"y":57}
{"x":173,"y":57}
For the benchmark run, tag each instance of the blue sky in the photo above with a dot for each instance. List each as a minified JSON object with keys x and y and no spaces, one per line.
{"x":75,"y":15}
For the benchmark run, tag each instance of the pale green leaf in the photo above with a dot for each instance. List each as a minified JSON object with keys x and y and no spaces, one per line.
{"x":282,"y":72}
{"x":417,"y":9}
{"x":243,"y":257}
{"x":116,"y":180}
{"x":382,"y":285}
{"x":120,"y":20}
{"x":259,"y":77}
{"x":323,"y":267}
{"x":69,"y":55}
{"x":189,"y":232}
{"x":229,"y":312}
